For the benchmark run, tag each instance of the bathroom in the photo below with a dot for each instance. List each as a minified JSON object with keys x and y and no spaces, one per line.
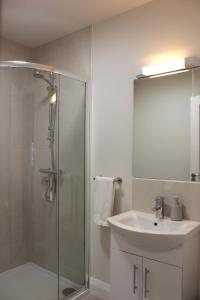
{"x":91,"y":52}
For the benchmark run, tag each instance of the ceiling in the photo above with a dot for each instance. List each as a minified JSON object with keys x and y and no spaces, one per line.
{"x":37,"y":22}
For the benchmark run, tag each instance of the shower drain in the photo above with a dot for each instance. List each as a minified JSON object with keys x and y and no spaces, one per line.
{"x":68,"y":291}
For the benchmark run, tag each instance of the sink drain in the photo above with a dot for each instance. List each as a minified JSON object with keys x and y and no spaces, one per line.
{"x":68,"y":291}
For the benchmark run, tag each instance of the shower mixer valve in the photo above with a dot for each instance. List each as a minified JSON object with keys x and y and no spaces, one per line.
{"x":50,"y":189}
{"x":50,"y":183}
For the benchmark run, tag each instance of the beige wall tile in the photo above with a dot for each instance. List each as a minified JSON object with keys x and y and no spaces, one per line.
{"x":146,"y":190}
{"x":15,"y":135}
{"x":5,"y":261}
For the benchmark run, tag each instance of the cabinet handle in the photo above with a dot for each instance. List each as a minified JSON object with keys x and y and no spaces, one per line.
{"x":135,"y":268}
{"x":146,"y":291}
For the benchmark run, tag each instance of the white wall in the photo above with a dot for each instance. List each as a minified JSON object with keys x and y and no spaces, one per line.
{"x":155,"y":31}
{"x":71,"y":53}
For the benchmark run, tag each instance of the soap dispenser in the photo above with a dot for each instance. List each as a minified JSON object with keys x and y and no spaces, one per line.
{"x":176,"y":209}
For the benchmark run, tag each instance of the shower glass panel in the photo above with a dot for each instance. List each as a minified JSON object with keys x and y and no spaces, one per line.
{"x":42,"y":183}
{"x":72,"y":183}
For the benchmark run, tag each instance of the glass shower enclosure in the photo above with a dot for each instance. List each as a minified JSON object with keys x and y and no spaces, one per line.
{"x":43,"y":236}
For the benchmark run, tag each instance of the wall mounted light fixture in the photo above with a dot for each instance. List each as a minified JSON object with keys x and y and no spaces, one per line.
{"x":171,"y":66}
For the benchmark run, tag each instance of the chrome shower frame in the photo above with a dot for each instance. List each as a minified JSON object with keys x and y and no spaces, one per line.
{"x":38,"y":67}
{"x":41,"y":67}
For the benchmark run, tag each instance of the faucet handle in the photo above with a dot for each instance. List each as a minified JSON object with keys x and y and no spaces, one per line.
{"x":159,"y":203}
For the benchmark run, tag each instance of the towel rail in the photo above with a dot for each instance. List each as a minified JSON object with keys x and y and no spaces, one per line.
{"x":116,"y":179}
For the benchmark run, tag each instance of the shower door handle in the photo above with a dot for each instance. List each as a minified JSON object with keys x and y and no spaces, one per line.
{"x":48,"y":171}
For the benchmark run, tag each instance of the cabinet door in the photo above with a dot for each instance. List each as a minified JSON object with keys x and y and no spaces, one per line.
{"x":126,"y":276}
{"x":161,"y":281}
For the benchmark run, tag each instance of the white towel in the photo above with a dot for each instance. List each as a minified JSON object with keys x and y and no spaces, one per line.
{"x":104,"y":199}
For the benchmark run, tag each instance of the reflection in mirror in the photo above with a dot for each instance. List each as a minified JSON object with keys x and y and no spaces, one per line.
{"x":167,"y":127}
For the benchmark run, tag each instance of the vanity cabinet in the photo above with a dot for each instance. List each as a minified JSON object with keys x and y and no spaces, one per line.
{"x":126,"y":275}
{"x":139,"y":274}
{"x":161,"y":281}
{"x":135,"y":278}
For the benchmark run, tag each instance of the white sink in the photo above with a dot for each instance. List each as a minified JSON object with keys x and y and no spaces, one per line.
{"x":148,"y":233}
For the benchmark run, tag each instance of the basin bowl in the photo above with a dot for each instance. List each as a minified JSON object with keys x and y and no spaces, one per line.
{"x":148,"y":233}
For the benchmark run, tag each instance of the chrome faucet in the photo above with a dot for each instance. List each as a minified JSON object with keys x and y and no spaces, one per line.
{"x":159,"y":207}
{"x":195,"y":177}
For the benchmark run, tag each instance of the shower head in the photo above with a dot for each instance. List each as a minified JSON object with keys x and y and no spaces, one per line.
{"x":40,"y":76}
{"x":51,"y":87}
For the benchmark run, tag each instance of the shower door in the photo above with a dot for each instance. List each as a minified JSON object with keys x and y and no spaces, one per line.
{"x":71,"y":185}
{"x":60,"y":222}
{"x":59,"y":233}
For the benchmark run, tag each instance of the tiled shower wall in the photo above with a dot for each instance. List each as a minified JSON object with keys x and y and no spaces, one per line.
{"x":28,"y":223}
{"x":15,"y":136}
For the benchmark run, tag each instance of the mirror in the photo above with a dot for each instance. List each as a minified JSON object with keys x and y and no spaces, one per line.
{"x":166,"y":127}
